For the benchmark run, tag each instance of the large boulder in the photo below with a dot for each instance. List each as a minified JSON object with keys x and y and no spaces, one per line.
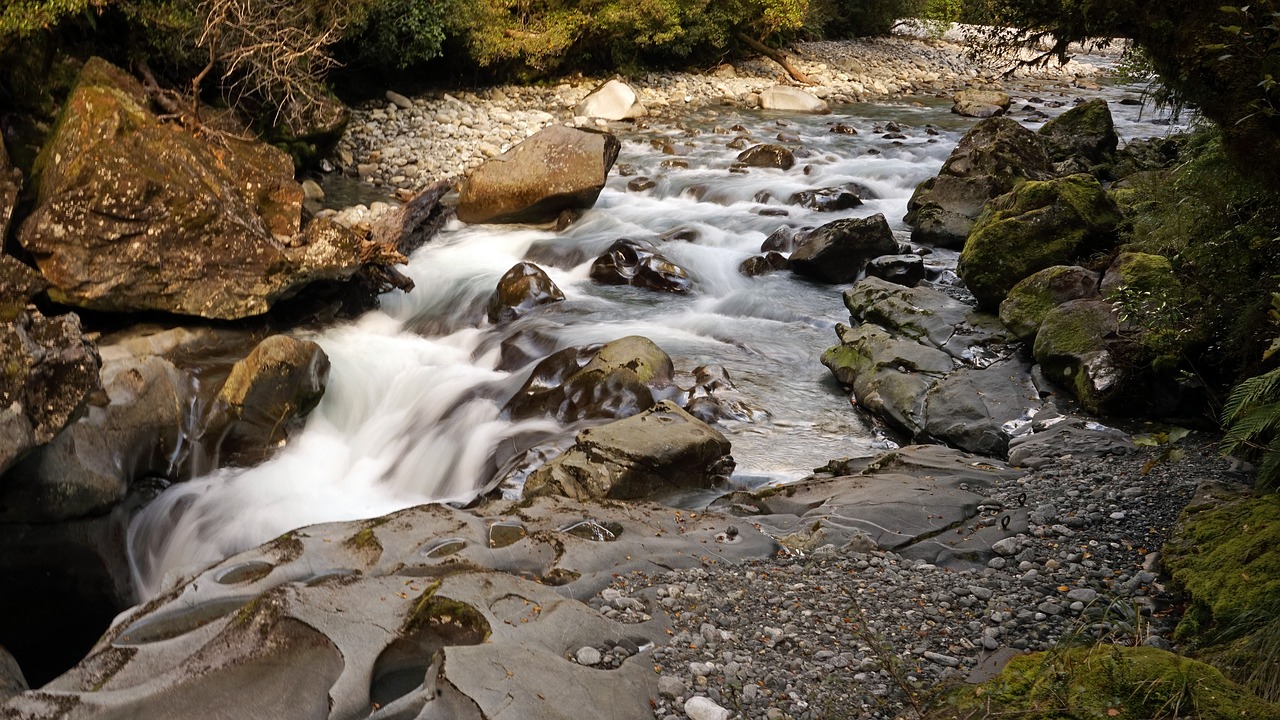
{"x":264,"y":397}
{"x":1037,"y":226}
{"x":638,"y":263}
{"x":905,"y":270}
{"x":1143,"y":274}
{"x":1024,"y":308}
{"x":614,"y":100}
{"x":138,"y":214}
{"x":888,"y":375}
{"x":661,"y":449}
{"x":991,"y":159}
{"x":929,"y":316}
{"x":981,"y":103}
{"x":1073,"y":347}
{"x":558,"y":168}
{"x":613,"y":380}
{"x":524,"y":287}
{"x":838,"y":251}
{"x":791,"y":99}
{"x":48,"y":373}
{"x":1086,"y":130}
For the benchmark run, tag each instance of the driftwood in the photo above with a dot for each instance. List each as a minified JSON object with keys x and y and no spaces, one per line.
{"x":776,"y":56}
{"x":411,"y":225}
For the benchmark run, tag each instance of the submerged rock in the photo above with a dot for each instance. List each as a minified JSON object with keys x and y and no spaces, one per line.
{"x":767,"y":156}
{"x":661,"y":449}
{"x":636,"y":263}
{"x":828,"y":199}
{"x":524,"y":287}
{"x":555,"y":169}
{"x":991,"y":159}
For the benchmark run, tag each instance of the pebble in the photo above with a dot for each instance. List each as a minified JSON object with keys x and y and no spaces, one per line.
{"x":701,"y":708}
{"x":588,"y":655}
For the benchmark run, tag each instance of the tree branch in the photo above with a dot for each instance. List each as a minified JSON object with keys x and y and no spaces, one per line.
{"x":776,"y":56}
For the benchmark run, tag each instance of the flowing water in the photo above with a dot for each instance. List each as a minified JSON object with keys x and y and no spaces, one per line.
{"x":412,"y":413}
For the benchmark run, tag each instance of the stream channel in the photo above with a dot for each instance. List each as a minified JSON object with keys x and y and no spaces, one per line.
{"x":412,"y":413}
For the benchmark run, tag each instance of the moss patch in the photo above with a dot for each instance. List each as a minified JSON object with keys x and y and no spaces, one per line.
{"x":1106,"y":681}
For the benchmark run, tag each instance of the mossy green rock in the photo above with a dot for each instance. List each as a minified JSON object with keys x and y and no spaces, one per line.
{"x":1037,"y":226}
{"x":1225,"y":555}
{"x":1031,"y":299}
{"x":1142,"y":273}
{"x":1072,"y":349}
{"x":1086,"y":130}
{"x":991,"y":159}
{"x":1106,"y":681}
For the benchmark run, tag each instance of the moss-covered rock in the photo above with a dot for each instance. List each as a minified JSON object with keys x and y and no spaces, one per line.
{"x":1225,"y":555}
{"x":1106,"y":681}
{"x":1073,"y":348}
{"x":1141,"y":273}
{"x":1033,"y":297}
{"x":1037,"y":226}
{"x":991,"y":159}
{"x":1086,"y":130}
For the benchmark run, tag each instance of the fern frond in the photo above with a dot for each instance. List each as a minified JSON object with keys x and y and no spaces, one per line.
{"x":1252,"y":428}
{"x":1264,"y":388}
{"x":1269,"y":470}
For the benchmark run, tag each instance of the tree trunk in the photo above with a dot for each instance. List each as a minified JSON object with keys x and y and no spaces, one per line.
{"x":777,"y":57}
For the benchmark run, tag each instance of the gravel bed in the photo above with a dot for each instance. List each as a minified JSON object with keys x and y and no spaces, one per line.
{"x":836,"y":634}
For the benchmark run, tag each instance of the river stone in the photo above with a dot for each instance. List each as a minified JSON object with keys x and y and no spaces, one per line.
{"x":555,"y":169}
{"x":205,"y":220}
{"x":264,"y":398}
{"x":828,"y":199}
{"x":1037,"y":226}
{"x":757,"y":265}
{"x":11,"y":680}
{"x":703,"y":708}
{"x":980,"y":103}
{"x":992,"y":158}
{"x":50,"y":374}
{"x":1073,"y":348}
{"x":524,"y":287}
{"x":614,"y":380}
{"x":838,"y":251}
{"x":433,"y":624}
{"x":907,"y":270}
{"x":889,"y":376}
{"x":661,"y":449}
{"x":1024,"y":308}
{"x":1086,"y":130}
{"x":614,"y":100}
{"x":920,"y":501}
{"x":789,"y":99}
{"x":973,"y":408}
{"x":767,"y":156}
{"x":637,"y":263}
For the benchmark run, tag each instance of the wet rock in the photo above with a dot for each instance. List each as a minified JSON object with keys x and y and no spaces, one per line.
{"x":1037,"y":226}
{"x":980,"y":103}
{"x":613,"y":380}
{"x":11,"y":680}
{"x":640,"y":184}
{"x":829,"y":199}
{"x":1086,"y":130}
{"x":50,"y":372}
{"x":990,"y":160}
{"x":1024,"y":308}
{"x":887,"y":375}
{"x":907,"y":501}
{"x":1073,"y":348}
{"x":635,"y":263}
{"x":661,"y":449}
{"x":614,"y":100}
{"x":907,"y":270}
{"x":974,"y":408}
{"x":784,"y":239}
{"x":838,"y":251}
{"x":767,"y":156}
{"x":844,"y":129}
{"x":265,"y":397}
{"x":929,"y":316}
{"x":556,"y":168}
{"x":205,"y":221}
{"x":522,"y":288}
{"x":757,"y":265}
{"x":790,"y":99}
{"x":557,"y":253}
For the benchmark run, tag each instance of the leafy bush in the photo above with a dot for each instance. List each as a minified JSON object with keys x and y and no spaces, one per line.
{"x":858,"y":18}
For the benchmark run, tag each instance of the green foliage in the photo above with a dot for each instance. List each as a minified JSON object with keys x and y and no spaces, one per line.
{"x":938,"y":15}
{"x":23,"y":18}
{"x":1252,"y":419}
{"x":857,"y":18}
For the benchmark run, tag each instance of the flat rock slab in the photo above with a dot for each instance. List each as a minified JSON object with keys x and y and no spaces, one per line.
{"x":432,"y":612}
{"x":928,"y":316}
{"x":923,"y":501}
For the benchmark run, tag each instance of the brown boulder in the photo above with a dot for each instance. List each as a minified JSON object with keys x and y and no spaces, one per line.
{"x":768,"y":156}
{"x":522,"y":288}
{"x":135,"y":214}
{"x":557,"y":168}
{"x":613,"y":380}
